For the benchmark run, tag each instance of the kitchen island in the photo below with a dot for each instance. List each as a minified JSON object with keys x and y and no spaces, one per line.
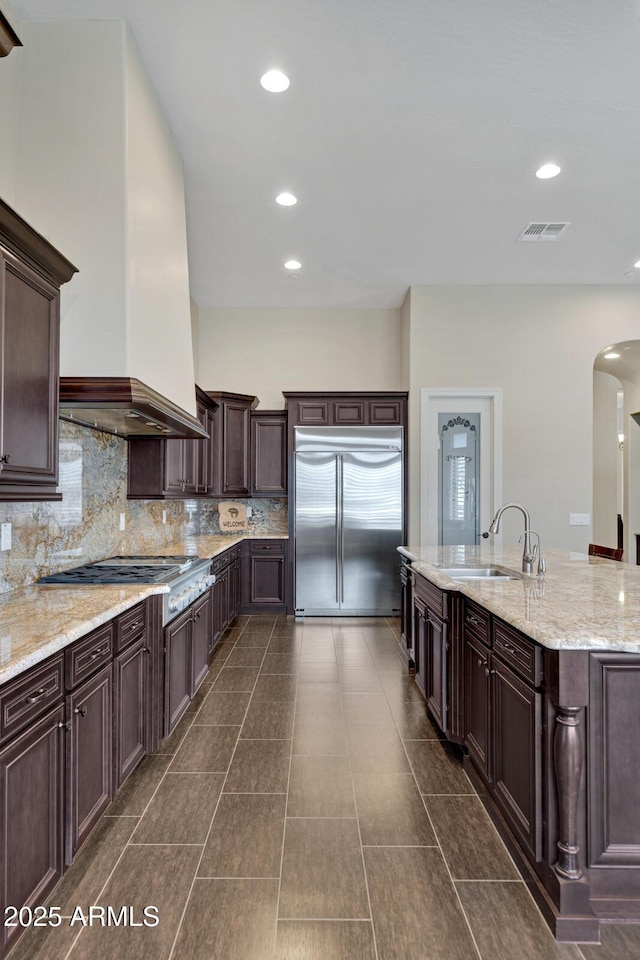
{"x":538,"y":678}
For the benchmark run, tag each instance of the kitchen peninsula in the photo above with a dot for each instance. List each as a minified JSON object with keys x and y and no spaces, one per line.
{"x":539,"y":679}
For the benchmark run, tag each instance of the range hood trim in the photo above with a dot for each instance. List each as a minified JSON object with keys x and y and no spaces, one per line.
{"x":96,"y":394}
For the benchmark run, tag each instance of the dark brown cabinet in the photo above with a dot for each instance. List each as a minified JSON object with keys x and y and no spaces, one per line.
{"x":269,"y":453}
{"x":226,"y":590}
{"x":503,"y":720}
{"x":264,"y":581}
{"x":233,"y":442}
{"x":131,"y":677}
{"x":89,"y":759}
{"x":313,"y":409}
{"x":31,"y":826}
{"x":431,"y":647}
{"x":406,"y":609}
{"x":187,"y":646}
{"x":31,"y":272}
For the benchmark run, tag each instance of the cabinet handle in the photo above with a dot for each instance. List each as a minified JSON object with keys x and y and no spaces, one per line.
{"x":481,"y":662}
{"x":488,"y":672}
{"x":82,"y":711}
{"x":5,"y":458}
{"x":134,"y":626}
{"x":64,"y":725}
{"x":96,"y":653}
{"x":474,"y":621}
{"x":146,"y":650}
{"x":508,"y":647}
{"x":38,"y":695}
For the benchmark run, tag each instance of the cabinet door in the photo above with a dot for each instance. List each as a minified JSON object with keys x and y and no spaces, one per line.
{"x":406,"y":608}
{"x":267,"y":579}
{"x":201,"y":633}
{"x":31,"y":825}
{"x":28,"y":381}
{"x":174,"y":467}
{"x":177,"y":671}
{"x":517,"y":744}
{"x":216,"y":612}
{"x":225,"y":615}
{"x":235,"y":447}
{"x":309,"y":413}
{"x":383,"y":412}
{"x":204,"y":455}
{"x":420,"y":641}
{"x":477,"y":685}
{"x":89,"y":757}
{"x":436,"y":669}
{"x":234,"y":589}
{"x":131,"y":708}
{"x":349,"y":411}
{"x":269,"y":455}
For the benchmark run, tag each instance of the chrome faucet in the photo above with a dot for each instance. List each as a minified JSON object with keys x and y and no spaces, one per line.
{"x":527,"y":555}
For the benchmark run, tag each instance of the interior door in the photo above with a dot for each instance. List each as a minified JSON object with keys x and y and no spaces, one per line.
{"x":370,"y":531}
{"x":317,"y":588}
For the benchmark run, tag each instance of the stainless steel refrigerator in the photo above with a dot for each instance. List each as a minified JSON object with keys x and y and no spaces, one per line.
{"x":348,"y":520}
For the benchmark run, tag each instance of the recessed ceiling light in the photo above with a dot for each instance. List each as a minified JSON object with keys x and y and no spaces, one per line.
{"x":547,"y":171}
{"x":292,"y":265}
{"x":637,"y":264}
{"x":286,"y":199}
{"x":611,"y":356}
{"x":275,"y":81}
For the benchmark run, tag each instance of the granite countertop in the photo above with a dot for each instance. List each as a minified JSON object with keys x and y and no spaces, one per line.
{"x":582,"y":602}
{"x":38,"y":620}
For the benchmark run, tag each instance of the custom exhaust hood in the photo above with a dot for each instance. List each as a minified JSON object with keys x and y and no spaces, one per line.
{"x":126,"y":407}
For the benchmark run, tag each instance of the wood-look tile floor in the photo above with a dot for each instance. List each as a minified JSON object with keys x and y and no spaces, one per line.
{"x":305,"y":809}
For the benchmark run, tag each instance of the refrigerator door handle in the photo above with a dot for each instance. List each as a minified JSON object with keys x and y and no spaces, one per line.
{"x":338,"y":527}
{"x":341,"y":528}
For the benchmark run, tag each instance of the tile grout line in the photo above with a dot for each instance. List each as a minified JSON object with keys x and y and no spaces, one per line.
{"x":286,"y":806}
{"x":206,"y":840}
{"x":139,"y":818}
{"x":364,"y":866}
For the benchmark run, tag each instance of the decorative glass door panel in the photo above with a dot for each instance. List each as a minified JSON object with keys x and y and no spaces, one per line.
{"x":459,"y":478}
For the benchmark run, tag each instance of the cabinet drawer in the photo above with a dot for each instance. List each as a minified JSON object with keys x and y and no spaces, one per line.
{"x":477,"y":622}
{"x":84,"y":657}
{"x":434,"y":597}
{"x":24,"y":699}
{"x":261,"y":548}
{"x":221,"y":561}
{"x":517,"y":650}
{"x":130,"y":626}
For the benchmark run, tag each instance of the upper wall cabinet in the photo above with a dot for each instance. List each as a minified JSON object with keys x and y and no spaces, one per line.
{"x":269,"y":453}
{"x":31,"y":273}
{"x":233,"y":423}
{"x":313,"y":409}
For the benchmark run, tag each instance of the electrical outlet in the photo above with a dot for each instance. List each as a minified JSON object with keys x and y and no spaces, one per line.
{"x":164,"y":516}
{"x":6,"y":537}
{"x":122,"y":521}
{"x":249,"y":512}
{"x":579,"y":519}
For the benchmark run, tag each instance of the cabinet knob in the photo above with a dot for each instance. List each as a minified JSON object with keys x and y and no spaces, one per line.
{"x":5,"y":458}
{"x":64,"y":725}
{"x":82,"y":711}
{"x":146,"y":650}
{"x":488,"y":672}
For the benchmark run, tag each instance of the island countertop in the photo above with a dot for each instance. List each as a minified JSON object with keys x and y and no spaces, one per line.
{"x":38,"y":620}
{"x":581,"y":603}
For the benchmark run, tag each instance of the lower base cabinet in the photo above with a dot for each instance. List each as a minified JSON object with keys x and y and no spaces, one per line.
{"x":131,"y":678}
{"x":31,"y":824}
{"x":264,"y":579}
{"x":187,"y":646}
{"x":89,"y":757}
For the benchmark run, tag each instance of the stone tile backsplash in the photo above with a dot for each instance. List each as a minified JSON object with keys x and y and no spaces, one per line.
{"x":85,"y":525}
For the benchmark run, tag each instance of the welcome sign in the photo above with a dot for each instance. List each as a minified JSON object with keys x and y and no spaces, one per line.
{"x":233,"y":516}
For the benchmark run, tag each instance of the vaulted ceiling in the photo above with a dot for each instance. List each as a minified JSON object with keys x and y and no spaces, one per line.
{"x":411,"y":134}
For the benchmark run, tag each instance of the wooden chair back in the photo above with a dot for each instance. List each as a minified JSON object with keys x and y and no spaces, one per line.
{"x":610,"y":553}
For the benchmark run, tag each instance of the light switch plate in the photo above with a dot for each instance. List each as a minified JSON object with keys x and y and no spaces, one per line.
{"x":579,"y":519}
{"x":122,"y":521}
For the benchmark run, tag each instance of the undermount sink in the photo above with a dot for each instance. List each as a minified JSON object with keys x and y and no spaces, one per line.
{"x":480,"y":573}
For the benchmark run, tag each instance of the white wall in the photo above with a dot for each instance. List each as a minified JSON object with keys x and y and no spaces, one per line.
{"x":605,"y":458}
{"x":538,"y":344}
{"x":10,"y":68}
{"x":159,"y":314}
{"x":98,"y":173}
{"x":265,"y":351}
{"x":70,"y":183}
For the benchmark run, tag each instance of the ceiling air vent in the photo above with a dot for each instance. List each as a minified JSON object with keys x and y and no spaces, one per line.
{"x":542,"y":231}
